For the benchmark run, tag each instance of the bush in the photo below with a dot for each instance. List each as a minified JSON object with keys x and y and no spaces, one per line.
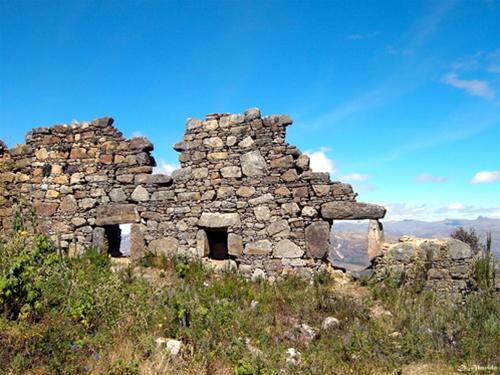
{"x":28,"y":267}
{"x":484,"y":268}
{"x":469,"y":237}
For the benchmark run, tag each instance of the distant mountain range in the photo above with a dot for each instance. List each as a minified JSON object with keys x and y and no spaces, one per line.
{"x":349,"y":239}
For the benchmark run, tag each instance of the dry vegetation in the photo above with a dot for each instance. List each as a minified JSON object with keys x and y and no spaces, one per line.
{"x":71,"y":316}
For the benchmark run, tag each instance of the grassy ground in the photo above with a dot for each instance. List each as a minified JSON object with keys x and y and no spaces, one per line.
{"x":72,"y":316}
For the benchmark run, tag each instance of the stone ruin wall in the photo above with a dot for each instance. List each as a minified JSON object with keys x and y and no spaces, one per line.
{"x":69,"y":174}
{"x":445,"y":266}
{"x":237,"y":175}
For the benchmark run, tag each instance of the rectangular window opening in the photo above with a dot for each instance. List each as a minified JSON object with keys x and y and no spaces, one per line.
{"x":217,"y":244}
{"x":118,"y":240}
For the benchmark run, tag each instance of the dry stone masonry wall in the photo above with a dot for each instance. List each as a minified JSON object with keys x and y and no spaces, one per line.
{"x":445,"y":266}
{"x":241,"y":193}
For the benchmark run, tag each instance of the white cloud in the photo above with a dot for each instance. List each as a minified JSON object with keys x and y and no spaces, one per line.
{"x":137,"y":134}
{"x":456,"y":206}
{"x":356,"y":177}
{"x":485,"y":177}
{"x":165,"y":168}
{"x":320,"y":162}
{"x":426,"y":177}
{"x":363,"y":36}
{"x":473,"y":86}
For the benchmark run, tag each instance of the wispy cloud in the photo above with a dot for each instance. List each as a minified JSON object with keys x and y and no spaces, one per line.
{"x":485,"y":177}
{"x":488,"y":61}
{"x":165,"y":168}
{"x":402,"y":81}
{"x":473,"y":86}
{"x":320,"y":162}
{"x":426,"y":177}
{"x":364,"y":36}
{"x":391,"y":50}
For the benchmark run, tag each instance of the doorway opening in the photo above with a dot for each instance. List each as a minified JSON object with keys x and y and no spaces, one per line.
{"x":118,"y":240}
{"x":217,"y":243}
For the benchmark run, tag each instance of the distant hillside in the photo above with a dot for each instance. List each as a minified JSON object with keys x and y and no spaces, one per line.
{"x":349,"y":241}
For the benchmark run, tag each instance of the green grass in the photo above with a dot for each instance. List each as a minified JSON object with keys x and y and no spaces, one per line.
{"x":84,"y":318}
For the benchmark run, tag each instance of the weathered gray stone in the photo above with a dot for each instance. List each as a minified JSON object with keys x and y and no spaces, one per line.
{"x":202,"y":246}
{"x":137,"y":243}
{"x":141,"y":143}
{"x":252,"y":114}
{"x":163,"y":195}
{"x":318,"y":239}
{"x":262,"y":213}
{"x":117,"y":214}
{"x":234,"y":244}
{"x":213,"y":142}
{"x":278,"y":229}
{"x":78,"y":221}
{"x":183,"y":174}
{"x":303,"y":162}
{"x":290,"y":209}
{"x":86,"y":203}
{"x":140,"y":194}
{"x":262,"y":247}
{"x":375,"y":239}
{"x":321,"y":190}
{"x":68,"y":204}
{"x":245,"y":191}
{"x":266,"y":198}
{"x":284,"y":162}
{"x":253,"y":164}
{"x":231,"y":172}
{"x":402,"y":252}
{"x":287,"y":249}
{"x":188,"y":196}
{"x":246,"y":142}
{"x":309,"y":211}
{"x":200,"y":173}
{"x":167,"y":246}
{"x":231,"y":140}
{"x":351,"y":211}
{"x":218,"y":220}
{"x":99,"y":238}
{"x":458,"y":249}
{"x":117,"y":195}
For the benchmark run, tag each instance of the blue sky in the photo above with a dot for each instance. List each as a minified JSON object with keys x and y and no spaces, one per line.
{"x":399,"y":98}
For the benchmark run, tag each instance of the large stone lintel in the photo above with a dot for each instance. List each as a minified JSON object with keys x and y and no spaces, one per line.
{"x":218,"y":220}
{"x":117,"y":214}
{"x":351,"y":211}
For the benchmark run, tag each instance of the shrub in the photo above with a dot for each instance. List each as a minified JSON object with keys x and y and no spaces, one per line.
{"x":28,"y":267}
{"x":484,"y":268}
{"x":468,"y":236}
